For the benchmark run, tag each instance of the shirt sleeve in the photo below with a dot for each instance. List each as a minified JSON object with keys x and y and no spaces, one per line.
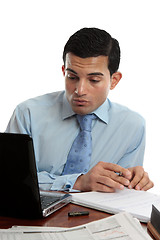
{"x":56,"y":183}
{"x":19,"y":122}
{"x":134,"y":155}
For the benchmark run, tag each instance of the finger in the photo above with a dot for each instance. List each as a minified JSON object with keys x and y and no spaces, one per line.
{"x":100,"y":187}
{"x":121,"y":180}
{"x":103,"y":188}
{"x":137,"y":175}
{"x":136,"y":179}
{"x":143,"y":182}
{"x":148,"y":186}
{"x":117,"y":178}
{"x":108,"y":181}
{"x":118,"y":169}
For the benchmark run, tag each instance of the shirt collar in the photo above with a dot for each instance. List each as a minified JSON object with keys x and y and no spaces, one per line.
{"x":66,"y":108}
{"x":102,"y":112}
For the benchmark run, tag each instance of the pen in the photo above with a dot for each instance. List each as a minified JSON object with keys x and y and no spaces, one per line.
{"x":74,"y":214}
{"x":120,"y":174}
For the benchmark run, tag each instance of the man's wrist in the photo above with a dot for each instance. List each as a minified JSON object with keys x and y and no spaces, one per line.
{"x":78,"y":183}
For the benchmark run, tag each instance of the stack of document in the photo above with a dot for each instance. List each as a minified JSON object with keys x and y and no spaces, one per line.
{"x":120,"y":226}
{"x":137,"y":203}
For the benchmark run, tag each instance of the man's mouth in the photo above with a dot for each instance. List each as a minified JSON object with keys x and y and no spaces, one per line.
{"x":80,"y":102}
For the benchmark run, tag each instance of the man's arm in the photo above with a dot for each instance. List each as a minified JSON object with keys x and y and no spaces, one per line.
{"x":102,"y":177}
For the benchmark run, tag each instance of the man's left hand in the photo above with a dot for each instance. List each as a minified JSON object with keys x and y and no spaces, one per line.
{"x":140,"y":179}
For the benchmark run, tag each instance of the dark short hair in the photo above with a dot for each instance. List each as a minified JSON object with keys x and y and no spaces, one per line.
{"x":94,"y":42}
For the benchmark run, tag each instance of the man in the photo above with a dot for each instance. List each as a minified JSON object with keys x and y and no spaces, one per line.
{"x":91,"y":60}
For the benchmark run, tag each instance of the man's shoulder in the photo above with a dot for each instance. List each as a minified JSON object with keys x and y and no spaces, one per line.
{"x":126,"y":114}
{"x":48,"y":99}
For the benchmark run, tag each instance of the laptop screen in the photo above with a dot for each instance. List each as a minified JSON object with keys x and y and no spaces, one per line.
{"x":18,"y":177}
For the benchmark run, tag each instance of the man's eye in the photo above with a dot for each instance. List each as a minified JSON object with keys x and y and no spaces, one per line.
{"x":72,"y":77}
{"x":94,"y":80}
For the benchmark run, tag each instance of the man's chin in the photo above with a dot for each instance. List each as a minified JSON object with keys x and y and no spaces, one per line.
{"x":81,"y":110}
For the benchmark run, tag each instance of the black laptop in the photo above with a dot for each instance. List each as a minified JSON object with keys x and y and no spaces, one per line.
{"x":20,"y":195}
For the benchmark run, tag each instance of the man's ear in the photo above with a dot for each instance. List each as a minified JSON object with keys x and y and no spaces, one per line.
{"x":63,"y":70}
{"x":116,"y":77}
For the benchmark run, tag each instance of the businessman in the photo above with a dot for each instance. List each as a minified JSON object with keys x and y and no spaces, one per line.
{"x":82,"y":140}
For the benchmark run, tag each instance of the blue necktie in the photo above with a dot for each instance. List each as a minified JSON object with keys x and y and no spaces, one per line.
{"x":78,"y":159}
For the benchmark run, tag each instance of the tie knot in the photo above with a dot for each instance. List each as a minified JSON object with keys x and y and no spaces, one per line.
{"x":85,"y":121}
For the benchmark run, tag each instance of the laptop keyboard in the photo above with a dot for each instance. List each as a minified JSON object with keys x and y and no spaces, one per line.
{"x":48,"y":200}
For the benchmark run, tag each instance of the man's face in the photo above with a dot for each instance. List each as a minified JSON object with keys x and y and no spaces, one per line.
{"x":87,"y":82}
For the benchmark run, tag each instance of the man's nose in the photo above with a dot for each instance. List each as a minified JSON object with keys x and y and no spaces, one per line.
{"x":81,"y":87}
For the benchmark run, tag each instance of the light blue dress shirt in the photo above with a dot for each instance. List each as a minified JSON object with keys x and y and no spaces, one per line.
{"x":118,"y":136}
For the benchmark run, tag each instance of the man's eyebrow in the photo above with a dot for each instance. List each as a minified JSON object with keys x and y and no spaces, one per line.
{"x":69,"y":69}
{"x":89,"y":74}
{"x":95,"y":74}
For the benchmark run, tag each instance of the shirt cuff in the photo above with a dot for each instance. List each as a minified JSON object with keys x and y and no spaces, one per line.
{"x":65,"y":182}
{"x":48,"y":181}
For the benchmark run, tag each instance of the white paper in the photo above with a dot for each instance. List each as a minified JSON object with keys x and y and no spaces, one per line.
{"x":137,"y":203}
{"x":121,"y":226}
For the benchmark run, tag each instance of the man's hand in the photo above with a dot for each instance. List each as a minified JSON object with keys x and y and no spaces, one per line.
{"x":140,"y":179}
{"x":103,"y":177}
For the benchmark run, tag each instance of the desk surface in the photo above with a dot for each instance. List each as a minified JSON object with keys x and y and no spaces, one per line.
{"x":59,"y":218}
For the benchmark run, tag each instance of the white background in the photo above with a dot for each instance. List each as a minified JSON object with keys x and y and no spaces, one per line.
{"x":32,"y":37}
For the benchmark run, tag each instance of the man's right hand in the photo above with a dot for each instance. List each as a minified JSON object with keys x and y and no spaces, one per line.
{"x":103,"y":177}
